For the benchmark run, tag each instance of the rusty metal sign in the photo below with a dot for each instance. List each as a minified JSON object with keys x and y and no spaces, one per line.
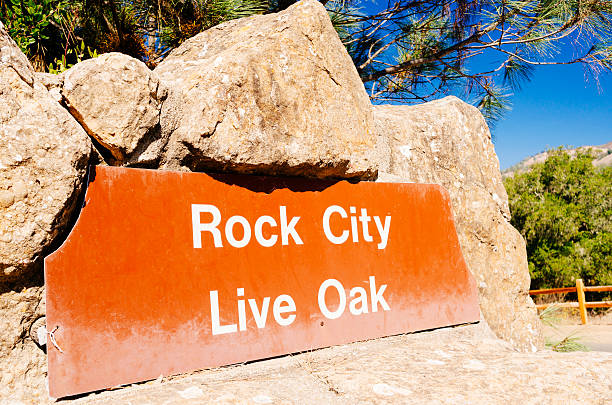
{"x":169,"y":272}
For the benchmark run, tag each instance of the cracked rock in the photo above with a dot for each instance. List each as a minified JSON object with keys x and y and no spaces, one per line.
{"x":447,"y":142}
{"x":271,"y":94}
{"x":43,"y":160}
{"x":117,"y":100}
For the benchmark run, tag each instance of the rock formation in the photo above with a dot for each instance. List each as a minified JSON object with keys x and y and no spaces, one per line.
{"x":272,"y":94}
{"x":447,"y":142}
{"x":117,"y":100}
{"x":23,"y":366}
{"x":43,"y":160}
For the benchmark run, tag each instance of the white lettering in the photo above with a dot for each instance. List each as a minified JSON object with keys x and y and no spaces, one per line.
{"x":377,"y":296}
{"x":279,"y":309}
{"x":217,"y":328}
{"x":241,"y":310}
{"x":289,"y":229}
{"x":323,"y":304}
{"x":364,"y":219}
{"x":338,"y":240}
{"x":260,"y":317}
{"x":259,"y":233}
{"x":354,"y":231}
{"x":229,"y":231}
{"x":383,"y":231}
{"x":198,"y":227}
{"x":362,"y":299}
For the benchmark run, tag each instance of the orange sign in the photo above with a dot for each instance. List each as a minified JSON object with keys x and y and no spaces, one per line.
{"x":168,"y":272}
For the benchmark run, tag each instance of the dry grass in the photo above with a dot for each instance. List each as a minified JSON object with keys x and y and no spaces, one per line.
{"x":552,"y":316}
{"x":570,"y":343}
{"x":311,"y":366}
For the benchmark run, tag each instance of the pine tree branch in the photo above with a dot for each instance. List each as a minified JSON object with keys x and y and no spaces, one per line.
{"x":409,"y":64}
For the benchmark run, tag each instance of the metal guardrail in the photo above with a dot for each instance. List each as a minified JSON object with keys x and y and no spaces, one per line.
{"x":582,"y":304}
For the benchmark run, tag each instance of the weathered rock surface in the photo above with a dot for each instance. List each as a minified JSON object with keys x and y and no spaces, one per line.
{"x":271,"y":94}
{"x":12,"y":59}
{"x":23,"y":366}
{"x":117,"y":100}
{"x":53,"y":83}
{"x":447,"y":142}
{"x":43,"y":159}
{"x":463,"y":365}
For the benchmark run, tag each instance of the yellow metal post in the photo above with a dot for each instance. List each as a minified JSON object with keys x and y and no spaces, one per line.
{"x":581,"y":306}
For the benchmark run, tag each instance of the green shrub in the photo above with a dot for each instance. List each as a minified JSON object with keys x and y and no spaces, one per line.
{"x":563,"y":209}
{"x":41,"y":28}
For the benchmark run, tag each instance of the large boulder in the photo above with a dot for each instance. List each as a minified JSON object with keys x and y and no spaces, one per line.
{"x":117,"y":100}
{"x":43,"y":162}
{"x":447,"y":142}
{"x":271,"y":94}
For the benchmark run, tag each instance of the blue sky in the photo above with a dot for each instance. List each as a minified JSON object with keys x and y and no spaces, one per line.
{"x":557,"y":107}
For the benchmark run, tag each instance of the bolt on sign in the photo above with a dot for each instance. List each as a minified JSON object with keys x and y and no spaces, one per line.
{"x":168,"y":272}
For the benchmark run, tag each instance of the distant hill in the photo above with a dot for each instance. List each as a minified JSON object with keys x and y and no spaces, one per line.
{"x":603,"y":157}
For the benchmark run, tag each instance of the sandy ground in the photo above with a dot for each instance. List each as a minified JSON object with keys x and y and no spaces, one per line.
{"x":463,"y":365}
{"x":596,"y":335}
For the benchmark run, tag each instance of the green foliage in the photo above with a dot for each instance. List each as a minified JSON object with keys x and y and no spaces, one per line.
{"x":563,"y":209}
{"x":41,"y":28}
{"x":494,"y":103}
{"x":165,"y":24}
{"x":550,"y":316}
{"x":55,"y":34}
{"x":569,"y":343}
{"x":80,"y":53}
